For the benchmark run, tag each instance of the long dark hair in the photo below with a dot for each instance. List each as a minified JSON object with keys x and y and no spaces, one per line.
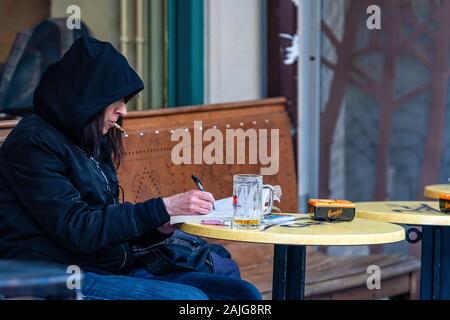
{"x":95,"y":144}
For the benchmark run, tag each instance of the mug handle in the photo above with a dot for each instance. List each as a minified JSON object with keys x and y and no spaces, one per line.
{"x":272,"y":195}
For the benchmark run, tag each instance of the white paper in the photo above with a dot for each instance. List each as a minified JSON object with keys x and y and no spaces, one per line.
{"x":224,"y":212}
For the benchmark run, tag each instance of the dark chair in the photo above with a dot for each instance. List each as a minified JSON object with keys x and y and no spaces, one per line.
{"x":32,"y":52}
{"x":32,"y":280}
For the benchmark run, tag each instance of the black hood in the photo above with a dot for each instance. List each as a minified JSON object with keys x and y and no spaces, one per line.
{"x":90,"y":76}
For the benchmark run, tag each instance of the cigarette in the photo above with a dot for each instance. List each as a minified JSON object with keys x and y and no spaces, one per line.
{"x":118,"y":127}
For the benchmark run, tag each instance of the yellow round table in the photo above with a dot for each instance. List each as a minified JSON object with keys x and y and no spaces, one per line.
{"x":291,"y":241}
{"x":405,"y":212}
{"x":356,"y":232}
{"x":435,"y":237}
{"x":433,"y":191}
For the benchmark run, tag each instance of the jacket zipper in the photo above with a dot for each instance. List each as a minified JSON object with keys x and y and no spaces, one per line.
{"x":124,"y":258}
{"x":125,"y":255}
{"x":108,"y":189}
{"x":114,"y":201}
{"x":104,"y":177}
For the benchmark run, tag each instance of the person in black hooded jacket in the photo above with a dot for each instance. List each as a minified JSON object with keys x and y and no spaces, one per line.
{"x":59,"y":189}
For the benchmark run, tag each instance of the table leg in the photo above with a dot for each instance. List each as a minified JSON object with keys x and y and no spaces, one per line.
{"x":289,"y":272}
{"x":435,"y":270}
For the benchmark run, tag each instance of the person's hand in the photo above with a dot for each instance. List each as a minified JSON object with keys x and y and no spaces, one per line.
{"x":167,"y":228}
{"x":189,"y":203}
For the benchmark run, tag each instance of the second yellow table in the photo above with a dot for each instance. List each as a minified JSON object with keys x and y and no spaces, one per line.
{"x":433,"y":191}
{"x":404,"y":212}
{"x":435,"y":237}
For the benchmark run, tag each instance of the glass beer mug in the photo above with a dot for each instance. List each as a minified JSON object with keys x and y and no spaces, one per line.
{"x":248,"y":202}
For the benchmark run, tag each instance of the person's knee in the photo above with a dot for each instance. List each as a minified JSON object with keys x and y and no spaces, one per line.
{"x":176,"y":291}
{"x":244,"y":290}
{"x":250,"y":292}
{"x":196,"y":294}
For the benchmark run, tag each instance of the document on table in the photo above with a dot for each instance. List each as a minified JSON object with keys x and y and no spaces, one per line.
{"x":223,"y":212}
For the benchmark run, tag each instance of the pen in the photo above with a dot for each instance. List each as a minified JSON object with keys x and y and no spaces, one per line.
{"x":199,"y":185}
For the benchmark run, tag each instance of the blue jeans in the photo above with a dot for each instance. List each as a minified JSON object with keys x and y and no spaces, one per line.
{"x":141,"y":285}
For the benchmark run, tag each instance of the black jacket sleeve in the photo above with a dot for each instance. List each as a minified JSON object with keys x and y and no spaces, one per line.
{"x":40,"y":183}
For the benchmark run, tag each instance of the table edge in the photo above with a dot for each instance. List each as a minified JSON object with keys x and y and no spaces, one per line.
{"x":288,"y":239}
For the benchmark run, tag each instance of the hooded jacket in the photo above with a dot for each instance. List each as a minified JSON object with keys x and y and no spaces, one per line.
{"x":57,"y":204}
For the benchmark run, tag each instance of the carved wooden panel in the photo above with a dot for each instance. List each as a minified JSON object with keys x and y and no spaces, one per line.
{"x":149,"y":171}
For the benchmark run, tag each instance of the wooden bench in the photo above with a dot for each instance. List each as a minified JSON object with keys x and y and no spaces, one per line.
{"x":148,"y":171}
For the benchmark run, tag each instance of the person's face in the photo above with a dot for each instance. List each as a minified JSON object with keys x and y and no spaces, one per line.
{"x":112,"y":113}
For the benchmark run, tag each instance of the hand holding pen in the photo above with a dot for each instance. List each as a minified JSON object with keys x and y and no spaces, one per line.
{"x":199,"y":185}
{"x":192,"y":202}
